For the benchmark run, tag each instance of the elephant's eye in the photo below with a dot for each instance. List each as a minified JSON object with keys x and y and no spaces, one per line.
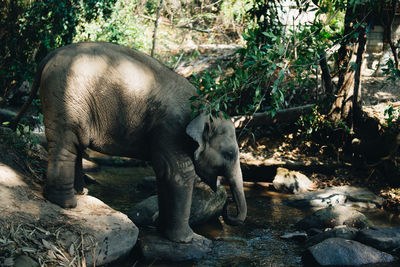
{"x":229,"y":155}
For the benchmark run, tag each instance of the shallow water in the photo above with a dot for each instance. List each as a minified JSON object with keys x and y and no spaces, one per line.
{"x":256,"y":243}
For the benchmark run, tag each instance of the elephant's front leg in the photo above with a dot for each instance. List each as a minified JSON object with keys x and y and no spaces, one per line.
{"x":175,"y":178}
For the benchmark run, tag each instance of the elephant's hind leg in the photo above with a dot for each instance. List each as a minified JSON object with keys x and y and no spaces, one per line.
{"x":61,"y":169}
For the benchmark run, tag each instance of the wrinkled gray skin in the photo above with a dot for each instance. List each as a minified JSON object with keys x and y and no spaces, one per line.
{"x":121,"y":102}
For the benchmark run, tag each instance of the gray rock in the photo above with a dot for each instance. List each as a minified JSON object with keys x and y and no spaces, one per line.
{"x":107,"y":234}
{"x":342,"y":232}
{"x":334,"y":216}
{"x":145,"y":212}
{"x":25,"y":261}
{"x":331,"y":196}
{"x":205,"y":205}
{"x":292,"y":182}
{"x":339,"y":251}
{"x":154,"y":246}
{"x":381,"y":238}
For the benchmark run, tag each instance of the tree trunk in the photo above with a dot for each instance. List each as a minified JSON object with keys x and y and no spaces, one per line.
{"x":326,"y":75}
{"x":342,"y":105}
{"x":356,"y":111}
{"x":351,"y":52}
{"x":345,"y":50}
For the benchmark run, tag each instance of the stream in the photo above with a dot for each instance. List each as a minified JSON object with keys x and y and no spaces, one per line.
{"x":256,"y":243}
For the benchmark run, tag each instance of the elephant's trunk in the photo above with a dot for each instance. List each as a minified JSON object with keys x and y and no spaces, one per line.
{"x":236,"y":184}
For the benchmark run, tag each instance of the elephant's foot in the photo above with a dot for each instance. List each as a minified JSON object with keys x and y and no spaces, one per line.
{"x":179,"y":235}
{"x":154,"y":246}
{"x":63,"y":198}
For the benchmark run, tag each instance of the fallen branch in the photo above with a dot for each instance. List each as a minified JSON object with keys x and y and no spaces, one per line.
{"x":289,"y":115}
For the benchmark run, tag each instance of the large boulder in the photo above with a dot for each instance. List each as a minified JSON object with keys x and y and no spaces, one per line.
{"x":292,"y":182}
{"x":331,"y":196}
{"x":342,"y":232}
{"x":101,"y":233}
{"x":382,"y":238}
{"x":334,"y":216}
{"x":206,"y":204}
{"x":342,"y":252}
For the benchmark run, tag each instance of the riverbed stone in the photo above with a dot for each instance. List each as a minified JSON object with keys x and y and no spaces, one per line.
{"x":205,"y":205}
{"x":382,"y":238}
{"x":145,"y":213}
{"x":154,"y":246}
{"x":338,"y":195}
{"x":342,"y":232}
{"x":106,"y":233}
{"x":331,"y":217}
{"x":338,"y":251}
{"x":292,"y":182}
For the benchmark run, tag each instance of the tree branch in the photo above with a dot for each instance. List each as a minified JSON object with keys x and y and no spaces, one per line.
{"x":155,"y":28}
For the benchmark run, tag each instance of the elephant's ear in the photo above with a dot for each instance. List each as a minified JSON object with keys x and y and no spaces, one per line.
{"x":199,"y":130}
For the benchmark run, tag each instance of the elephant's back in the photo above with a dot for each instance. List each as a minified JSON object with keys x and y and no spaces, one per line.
{"x":84,"y":68}
{"x":112,"y":94}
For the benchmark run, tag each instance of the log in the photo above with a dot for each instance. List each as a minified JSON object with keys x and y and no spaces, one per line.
{"x":289,"y":115}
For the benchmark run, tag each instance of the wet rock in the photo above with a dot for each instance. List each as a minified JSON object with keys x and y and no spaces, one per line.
{"x":382,"y":238}
{"x":25,"y":261}
{"x":145,"y":212}
{"x":342,"y":232}
{"x":334,"y":216}
{"x":295,"y":235}
{"x":292,"y":182}
{"x":106,"y":233}
{"x":339,"y":251}
{"x":331,"y":196}
{"x":154,"y":246}
{"x":205,"y":205}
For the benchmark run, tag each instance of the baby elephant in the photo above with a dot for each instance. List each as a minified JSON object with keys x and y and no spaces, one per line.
{"x":121,"y":102}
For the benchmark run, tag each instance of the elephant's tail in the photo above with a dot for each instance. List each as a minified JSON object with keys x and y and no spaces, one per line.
{"x":34,"y":89}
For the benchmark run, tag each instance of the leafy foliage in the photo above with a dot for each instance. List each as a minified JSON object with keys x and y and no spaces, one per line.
{"x":276,"y":69}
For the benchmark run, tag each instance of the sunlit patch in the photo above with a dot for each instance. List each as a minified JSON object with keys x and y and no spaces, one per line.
{"x":384,"y":95}
{"x":9,"y":177}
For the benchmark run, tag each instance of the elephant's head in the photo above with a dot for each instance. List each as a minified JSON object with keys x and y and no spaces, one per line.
{"x":217,"y":154}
